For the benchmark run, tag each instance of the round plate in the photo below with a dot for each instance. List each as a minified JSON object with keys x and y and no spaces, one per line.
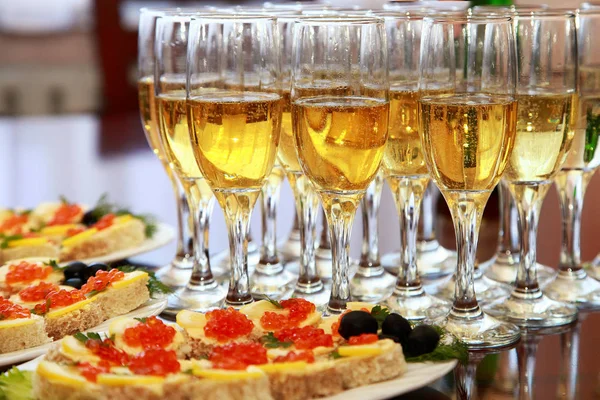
{"x":152,"y":307}
{"x":164,"y":235}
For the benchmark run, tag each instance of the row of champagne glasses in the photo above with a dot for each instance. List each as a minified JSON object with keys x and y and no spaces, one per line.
{"x":340,"y":193}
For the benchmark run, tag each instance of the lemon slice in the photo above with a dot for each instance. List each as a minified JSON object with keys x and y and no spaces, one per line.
{"x":284,"y":366}
{"x":80,"y":237}
{"x":75,"y":306}
{"x":27,"y":242}
{"x":364,"y":350}
{"x":359,"y":305}
{"x":127,"y":380}
{"x":58,"y":229}
{"x":76,"y":350}
{"x":256,"y":310}
{"x":57,"y":373}
{"x":191,"y":320}
{"x":226,"y":375}
{"x":130,"y":278}
{"x":122,"y":219}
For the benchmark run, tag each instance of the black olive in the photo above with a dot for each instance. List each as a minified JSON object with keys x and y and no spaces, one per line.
{"x":356,"y":323}
{"x":396,"y":325}
{"x":74,"y":270}
{"x":422,"y":340}
{"x":74,"y":282}
{"x":93,"y":268}
{"x":391,"y":337}
{"x":89,"y":218}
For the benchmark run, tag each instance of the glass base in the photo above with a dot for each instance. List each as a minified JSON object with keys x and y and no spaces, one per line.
{"x":486,"y":290}
{"x":200,"y":299}
{"x":371,"y":285}
{"x":537,"y":312}
{"x":575,"y":287}
{"x":290,"y":249}
{"x":507,"y":273}
{"x":481,"y":331}
{"x":432,"y":263}
{"x":319,"y":297}
{"x":276,"y":286}
{"x":174,"y":277}
{"x":221,"y":261}
{"x":416,"y":305}
{"x":324,"y":263}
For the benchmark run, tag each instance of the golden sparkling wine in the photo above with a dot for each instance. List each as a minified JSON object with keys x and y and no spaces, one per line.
{"x":544,"y":134}
{"x":468,"y":138}
{"x":584,"y":154}
{"x":403,"y":155}
{"x":340,"y":140}
{"x":148,"y":113}
{"x":288,"y":157}
{"x":235,"y":137}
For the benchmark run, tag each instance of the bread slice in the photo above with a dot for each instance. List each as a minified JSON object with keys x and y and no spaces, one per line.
{"x":30,"y":248}
{"x":125,"y":233}
{"x":125,"y":295}
{"x":77,"y":317}
{"x":22,"y":333}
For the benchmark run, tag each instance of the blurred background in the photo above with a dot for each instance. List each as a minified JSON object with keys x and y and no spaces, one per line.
{"x":69,"y":125}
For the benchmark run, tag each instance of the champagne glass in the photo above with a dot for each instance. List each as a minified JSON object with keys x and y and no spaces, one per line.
{"x":235,"y":121}
{"x":572,"y":283}
{"x":370,"y":282}
{"x":178,"y":272}
{"x":467,"y":119}
{"x":202,"y":291}
{"x":404,"y":164}
{"x":290,"y":249}
{"x":547,"y":57}
{"x":340,"y":114}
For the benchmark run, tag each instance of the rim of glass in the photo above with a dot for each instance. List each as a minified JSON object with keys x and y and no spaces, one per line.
{"x":546,"y":14}
{"x":466,"y":18}
{"x":176,"y":10}
{"x":588,"y":11}
{"x":235,"y":17}
{"x":399,"y":14}
{"x":339,"y":20}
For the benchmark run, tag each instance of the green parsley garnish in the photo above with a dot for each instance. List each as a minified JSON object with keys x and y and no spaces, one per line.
{"x":271,"y":342}
{"x":380,"y":314}
{"x":54,"y":264}
{"x":155,"y":286}
{"x":7,"y":239}
{"x":142,"y":320}
{"x":83,"y":338}
{"x":274,"y":302}
{"x":103,"y":207}
{"x":16,"y":385}
{"x":335,"y":355}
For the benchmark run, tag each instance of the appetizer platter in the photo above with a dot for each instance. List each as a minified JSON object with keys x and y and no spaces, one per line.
{"x":67,"y":231}
{"x":42,"y":301}
{"x":265,"y":350}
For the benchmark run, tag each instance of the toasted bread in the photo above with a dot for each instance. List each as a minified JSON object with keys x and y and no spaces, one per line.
{"x":23,"y":333}
{"x":44,"y":249}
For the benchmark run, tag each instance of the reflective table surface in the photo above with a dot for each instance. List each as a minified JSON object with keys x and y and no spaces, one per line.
{"x":83,"y":156}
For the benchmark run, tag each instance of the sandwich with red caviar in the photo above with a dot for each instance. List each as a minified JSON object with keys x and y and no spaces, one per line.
{"x":19,"y":328}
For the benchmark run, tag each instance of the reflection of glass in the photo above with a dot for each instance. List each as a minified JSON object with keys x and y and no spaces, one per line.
{"x":371,"y":282}
{"x":572,"y":283}
{"x":503,"y":266}
{"x":202,"y":291}
{"x":235,"y":121}
{"x":178,"y":272}
{"x":468,"y":124}
{"x":340,"y":115}
{"x":290,"y":249}
{"x":546,"y":90}
{"x":433,"y":259}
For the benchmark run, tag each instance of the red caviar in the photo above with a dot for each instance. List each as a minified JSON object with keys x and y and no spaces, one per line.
{"x":238,"y":356}
{"x":105,"y":222}
{"x":153,"y":333}
{"x":13,"y":222}
{"x":155,"y":362}
{"x":38,"y":292}
{"x":74,"y":231}
{"x":365,"y":338}
{"x":59,"y":298}
{"x":10,"y":310}
{"x":305,"y":338}
{"x":66,"y":214}
{"x":107,"y":352}
{"x":292,"y":356}
{"x":225,"y":325}
{"x":101,"y":280}
{"x":299,"y":310}
{"x":27,"y":272}
{"x":91,"y":372}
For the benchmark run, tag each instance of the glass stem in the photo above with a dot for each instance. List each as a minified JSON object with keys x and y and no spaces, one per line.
{"x":571,"y":187}
{"x":201,"y":208}
{"x":185,"y":237}
{"x":508,"y":237}
{"x":369,"y":257}
{"x":408,"y":192}
{"x":526,"y":352}
{"x":467,"y":211}
{"x":340,"y":211}
{"x":307,"y":209}
{"x":529,"y":203}
{"x":238,"y":210}
{"x":269,"y":259}
{"x":426,"y":240}
{"x":569,"y":361}
{"x":324,"y":242}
